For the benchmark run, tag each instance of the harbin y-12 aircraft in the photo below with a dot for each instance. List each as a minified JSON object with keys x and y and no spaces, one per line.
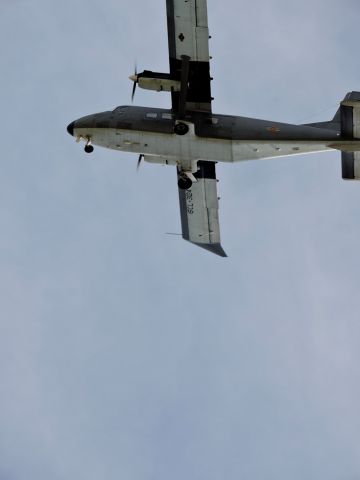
{"x":192,"y":138}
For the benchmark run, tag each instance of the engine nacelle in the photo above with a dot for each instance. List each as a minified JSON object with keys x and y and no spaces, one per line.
{"x":158,"y":82}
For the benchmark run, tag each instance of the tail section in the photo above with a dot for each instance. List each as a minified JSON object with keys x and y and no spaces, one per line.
{"x":349,"y":115}
{"x":350,"y":97}
{"x":346,"y":123}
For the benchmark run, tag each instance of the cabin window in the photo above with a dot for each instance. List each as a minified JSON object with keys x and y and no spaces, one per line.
{"x":151,"y":115}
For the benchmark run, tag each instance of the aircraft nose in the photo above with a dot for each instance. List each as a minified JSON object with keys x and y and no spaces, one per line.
{"x":70,"y":128}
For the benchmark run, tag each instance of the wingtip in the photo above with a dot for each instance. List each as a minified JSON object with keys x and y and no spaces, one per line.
{"x":215,"y":248}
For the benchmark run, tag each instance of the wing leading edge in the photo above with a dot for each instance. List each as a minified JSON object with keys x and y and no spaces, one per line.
{"x":199,"y":209}
{"x":188,"y":35}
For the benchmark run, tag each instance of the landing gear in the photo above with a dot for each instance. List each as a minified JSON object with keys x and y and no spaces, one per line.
{"x":181,"y":128}
{"x":184,"y":183}
{"x":89,"y":148}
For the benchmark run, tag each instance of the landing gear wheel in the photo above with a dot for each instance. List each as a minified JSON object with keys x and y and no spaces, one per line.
{"x":184,"y":183}
{"x":181,"y":128}
{"x":89,"y":148}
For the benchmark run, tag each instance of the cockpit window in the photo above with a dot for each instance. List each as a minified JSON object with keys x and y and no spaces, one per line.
{"x":120,"y":110}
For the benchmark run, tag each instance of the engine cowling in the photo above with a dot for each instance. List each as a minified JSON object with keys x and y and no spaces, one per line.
{"x":159,"y":82}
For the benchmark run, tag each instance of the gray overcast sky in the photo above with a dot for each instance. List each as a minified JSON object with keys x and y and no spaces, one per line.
{"x":128,"y":354}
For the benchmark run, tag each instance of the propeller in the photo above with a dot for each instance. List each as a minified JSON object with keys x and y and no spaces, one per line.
{"x":141,"y":156}
{"x":135,"y":79}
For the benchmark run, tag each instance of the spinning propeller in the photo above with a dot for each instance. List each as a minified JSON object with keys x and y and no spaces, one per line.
{"x":141,"y":156}
{"x":135,"y":79}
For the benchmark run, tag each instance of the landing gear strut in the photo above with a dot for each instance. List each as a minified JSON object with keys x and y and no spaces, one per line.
{"x":88,"y":147}
{"x":184,"y":183}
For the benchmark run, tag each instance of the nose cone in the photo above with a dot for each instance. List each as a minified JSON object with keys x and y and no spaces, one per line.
{"x":70,"y":128}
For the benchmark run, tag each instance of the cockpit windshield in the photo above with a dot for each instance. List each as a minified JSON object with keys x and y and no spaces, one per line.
{"x":120,"y":109}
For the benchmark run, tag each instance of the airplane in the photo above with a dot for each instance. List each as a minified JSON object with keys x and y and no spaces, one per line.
{"x":192,"y":138}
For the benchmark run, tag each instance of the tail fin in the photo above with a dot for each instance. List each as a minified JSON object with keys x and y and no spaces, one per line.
{"x":334,"y":123}
{"x":346,"y":122}
{"x":350,"y":97}
{"x":337,"y":116}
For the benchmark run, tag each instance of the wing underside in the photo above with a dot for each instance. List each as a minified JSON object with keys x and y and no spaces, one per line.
{"x":188,"y":35}
{"x":199,"y":209}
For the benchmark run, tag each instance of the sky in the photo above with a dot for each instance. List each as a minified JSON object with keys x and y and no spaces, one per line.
{"x":129,"y":354}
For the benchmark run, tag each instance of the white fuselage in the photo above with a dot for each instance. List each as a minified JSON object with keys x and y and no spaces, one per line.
{"x":172,"y":149}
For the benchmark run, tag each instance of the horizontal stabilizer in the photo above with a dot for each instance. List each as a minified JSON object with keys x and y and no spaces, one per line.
{"x":351,"y":165}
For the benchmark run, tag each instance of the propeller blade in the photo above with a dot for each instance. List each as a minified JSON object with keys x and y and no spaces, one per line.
{"x":139,"y":162}
{"x":135,"y":79}
{"x":133,"y":90}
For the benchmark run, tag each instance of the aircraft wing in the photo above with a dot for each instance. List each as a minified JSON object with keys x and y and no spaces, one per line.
{"x":188,"y":35}
{"x":199,"y":209}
